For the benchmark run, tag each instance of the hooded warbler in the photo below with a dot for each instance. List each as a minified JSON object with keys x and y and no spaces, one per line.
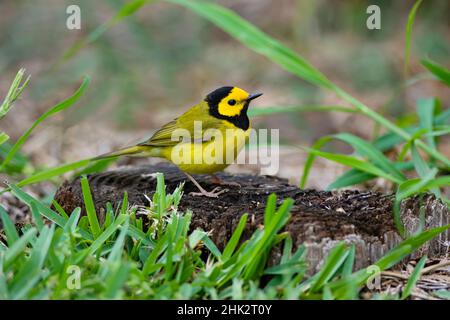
{"x":205,"y":139}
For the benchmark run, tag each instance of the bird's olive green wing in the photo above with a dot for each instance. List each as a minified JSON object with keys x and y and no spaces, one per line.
{"x":184,"y":128}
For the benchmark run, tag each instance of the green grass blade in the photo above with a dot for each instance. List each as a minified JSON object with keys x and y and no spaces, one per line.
{"x":310,"y":159}
{"x":443,"y":294}
{"x":3,"y":138}
{"x":409,"y":26}
{"x":46,"y":212}
{"x":126,"y":10}
{"x":408,"y":246}
{"x":31,"y":271}
{"x":347,"y":267}
{"x":211,"y":246}
{"x":117,"y":250}
{"x":415,"y":276}
{"x":18,"y":248}
{"x":57,"y":108}
{"x":426,"y":110}
{"x":413,"y":186}
{"x":278,"y":220}
{"x":90,"y":208}
{"x":394,"y":256}
{"x":14,"y":92}
{"x":269,"y":110}
{"x":334,"y":261}
{"x":116,"y":280}
{"x":270,"y":209}
{"x":234,"y":240}
{"x":422,"y":167}
{"x":71,"y":224}
{"x":53,"y":172}
{"x":350,"y":178}
{"x":60,"y":209}
{"x":37,"y":216}
{"x":8,"y":227}
{"x":257,"y":40}
{"x":366,"y":149}
{"x":354,"y":162}
{"x":438,"y":70}
{"x":104,"y":236}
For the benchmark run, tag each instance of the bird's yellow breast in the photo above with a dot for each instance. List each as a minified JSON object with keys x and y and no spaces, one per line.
{"x":218,"y":149}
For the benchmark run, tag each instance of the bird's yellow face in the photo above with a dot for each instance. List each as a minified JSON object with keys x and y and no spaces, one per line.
{"x":231,"y":104}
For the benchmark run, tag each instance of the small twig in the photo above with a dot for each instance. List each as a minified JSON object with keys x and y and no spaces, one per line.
{"x":394,"y":274}
{"x":439,"y":265}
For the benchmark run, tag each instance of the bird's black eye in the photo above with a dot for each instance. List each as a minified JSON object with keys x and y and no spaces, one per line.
{"x":231,"y":102}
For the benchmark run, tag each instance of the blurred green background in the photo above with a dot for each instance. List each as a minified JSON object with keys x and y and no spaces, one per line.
{"x":164,"y":58}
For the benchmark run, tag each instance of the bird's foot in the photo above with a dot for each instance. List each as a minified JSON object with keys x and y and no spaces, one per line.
{"x":217,"y":180}
{"x":215,"y":193}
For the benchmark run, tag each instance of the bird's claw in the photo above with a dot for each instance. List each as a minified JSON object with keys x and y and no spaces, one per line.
{"x":215,"y":193}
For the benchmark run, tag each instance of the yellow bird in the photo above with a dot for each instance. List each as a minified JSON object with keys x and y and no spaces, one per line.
{"x":205,"y":139}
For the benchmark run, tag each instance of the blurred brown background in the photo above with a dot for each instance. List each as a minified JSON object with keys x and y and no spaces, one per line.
{"x":164,"y":58}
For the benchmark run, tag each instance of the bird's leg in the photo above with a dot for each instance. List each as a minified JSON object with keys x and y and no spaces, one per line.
{"x":217,"y":180}
{"x":211,"y":194}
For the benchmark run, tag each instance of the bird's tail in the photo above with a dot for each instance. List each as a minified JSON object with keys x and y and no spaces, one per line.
{"x":122,"y":152}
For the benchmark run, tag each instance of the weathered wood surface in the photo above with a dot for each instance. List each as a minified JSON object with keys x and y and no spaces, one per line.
{"x":319,"y":218}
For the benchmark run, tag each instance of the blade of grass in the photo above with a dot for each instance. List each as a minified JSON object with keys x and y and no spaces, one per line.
{"x":426,"y":110}
{"x":55,"y":109}
{"x":30,"y":272}
{"x":408,"y":32}
{"x":422,"y":167}
{"x":3,"y":138}
{"x":442,"y":293}
{"x":60,"y":209}
{"x":366,"y":149}
{"x":126,"y":10}
{"x":354,"y":176}
{"x":413,"y":186}
{"x":412,"y":243}
{"x":347,"y":267}
{"x":18,"y":247}
{"x":394,"y":256}
{"x":53,"y":172}
{"x":8,"y":227}
{"x":305,"y":108}
{"x":71,"y":224}
{"x":354,"y":163}
{"x":46,"y":212}
{"x":14,"y":92}
{"x":116,"y":280}
{"x":438,"y":70}
{"x":117,"y":250}
{"x":310,"y":159}
{"x":335,"y":259}
{"x":234,"y":240}
{"x":90,"y":208}
{"x":350,"y":178}
{"x":415,"y":276}
{"x":104,"y":236}
{"x":257,"y":40}
{"x":37,"y":216}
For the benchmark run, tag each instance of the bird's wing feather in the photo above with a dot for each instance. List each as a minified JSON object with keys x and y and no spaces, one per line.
{"x":163,"y":137}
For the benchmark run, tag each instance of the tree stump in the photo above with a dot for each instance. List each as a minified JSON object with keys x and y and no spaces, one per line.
{"x":319,"y":219}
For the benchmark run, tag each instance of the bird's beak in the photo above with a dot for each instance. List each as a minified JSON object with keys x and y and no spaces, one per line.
{"x":253,"y":96}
